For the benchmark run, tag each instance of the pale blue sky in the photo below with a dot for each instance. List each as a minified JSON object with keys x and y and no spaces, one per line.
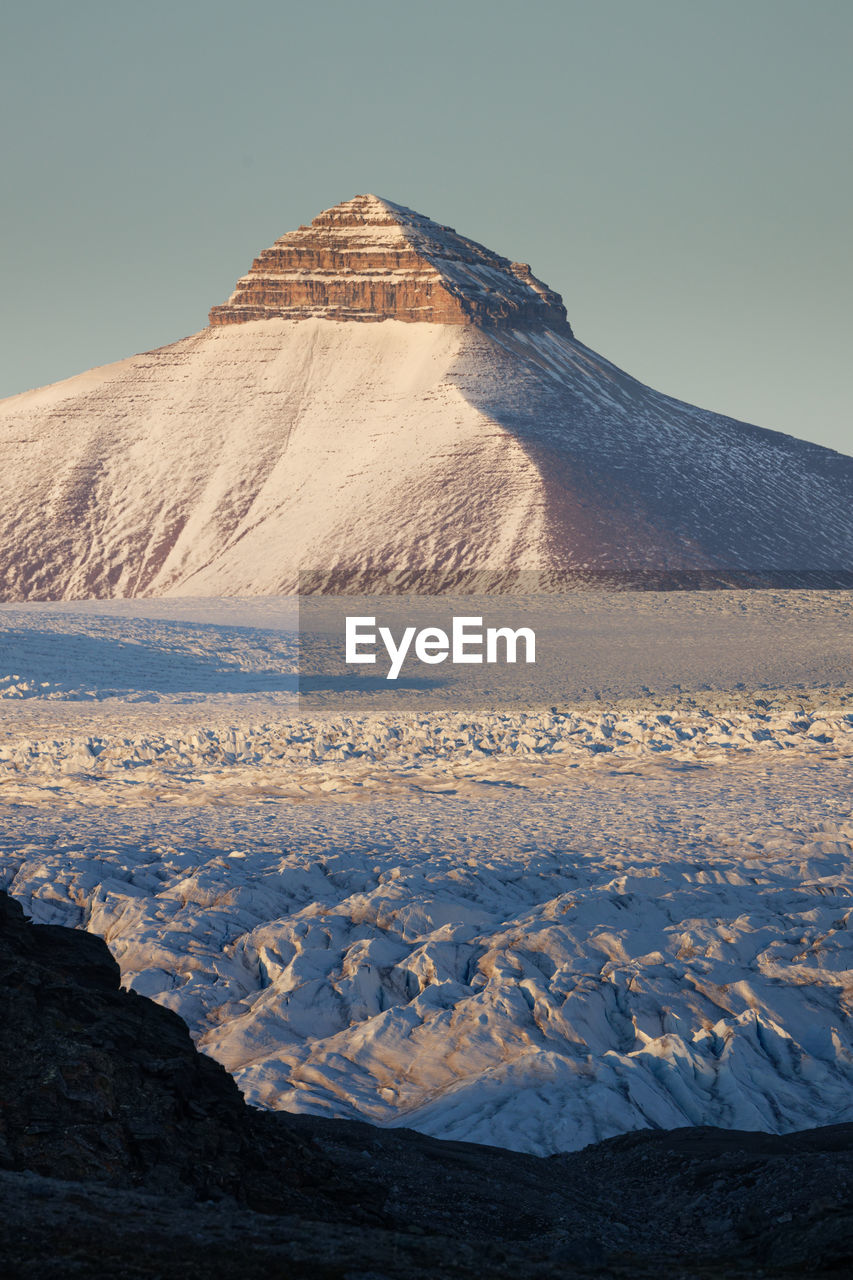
{"x":680,"y":170}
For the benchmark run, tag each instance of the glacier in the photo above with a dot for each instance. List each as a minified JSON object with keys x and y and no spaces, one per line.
{"x":533,"y":926}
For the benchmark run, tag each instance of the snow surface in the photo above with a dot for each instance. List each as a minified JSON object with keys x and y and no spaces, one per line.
{"x":230,"y":461}
{"x":525,"y":924}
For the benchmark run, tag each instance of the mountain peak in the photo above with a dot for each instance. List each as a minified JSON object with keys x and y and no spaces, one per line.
{"x":371,"y":259}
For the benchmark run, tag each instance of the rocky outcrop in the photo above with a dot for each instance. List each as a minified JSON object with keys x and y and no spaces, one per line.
{"x":100,"y":1084}
{"x":369,"y":259}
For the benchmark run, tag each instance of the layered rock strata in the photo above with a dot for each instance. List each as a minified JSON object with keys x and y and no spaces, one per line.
{"x":369,"y":259}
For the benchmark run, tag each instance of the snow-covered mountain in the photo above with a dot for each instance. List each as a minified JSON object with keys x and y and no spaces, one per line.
{"x":464,"y":428}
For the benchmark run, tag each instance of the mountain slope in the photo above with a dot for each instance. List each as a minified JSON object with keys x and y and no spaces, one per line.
{"x":231,"y":460}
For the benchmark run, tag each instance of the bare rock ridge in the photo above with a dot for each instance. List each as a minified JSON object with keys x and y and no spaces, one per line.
{"x":369,"y":259}
{"x":100,"y":1083}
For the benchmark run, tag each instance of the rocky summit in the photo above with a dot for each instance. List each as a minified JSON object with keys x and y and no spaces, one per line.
{"x":370,"y":259}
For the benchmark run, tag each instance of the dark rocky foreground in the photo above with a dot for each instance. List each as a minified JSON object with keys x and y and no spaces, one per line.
{"x":123,"y":1152}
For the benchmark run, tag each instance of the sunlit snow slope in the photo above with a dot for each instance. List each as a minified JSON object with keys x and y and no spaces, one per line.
{"x":228,"y":461}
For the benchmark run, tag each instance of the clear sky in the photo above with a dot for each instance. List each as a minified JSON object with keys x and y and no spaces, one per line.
{"x":679,"y":170}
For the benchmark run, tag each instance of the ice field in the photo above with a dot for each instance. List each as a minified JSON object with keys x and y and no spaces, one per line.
{"x":527,"y":924}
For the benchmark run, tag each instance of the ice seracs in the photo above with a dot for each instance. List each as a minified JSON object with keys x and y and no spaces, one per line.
{"x":538,"y":967}
{"x":526,"y":925}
